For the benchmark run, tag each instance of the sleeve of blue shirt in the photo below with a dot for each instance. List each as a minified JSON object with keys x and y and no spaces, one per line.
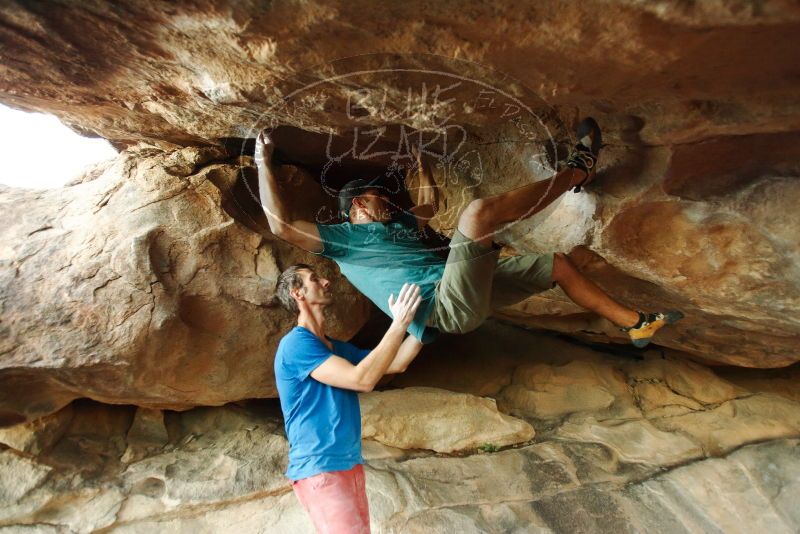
{"x":307,"y":353}
{"x":350,"y":352}
{"x":335,"y":239}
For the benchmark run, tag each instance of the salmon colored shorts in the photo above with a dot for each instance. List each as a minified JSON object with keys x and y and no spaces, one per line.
{"x":336,"y":501}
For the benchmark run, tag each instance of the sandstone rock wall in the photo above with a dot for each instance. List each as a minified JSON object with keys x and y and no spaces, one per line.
{"x":146,"y":282}
{"x":694,"y":204}
{"x":148,"y":70}
{"x":621,"y":445}
{"x":136,"y":286}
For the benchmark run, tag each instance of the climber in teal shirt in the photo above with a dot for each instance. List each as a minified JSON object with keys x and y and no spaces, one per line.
{"x":378,"y":249}
{"x":378,"y":254}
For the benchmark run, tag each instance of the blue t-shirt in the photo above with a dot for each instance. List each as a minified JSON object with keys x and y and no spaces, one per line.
{"x":378,"y":258}
{"x":323,"y":423}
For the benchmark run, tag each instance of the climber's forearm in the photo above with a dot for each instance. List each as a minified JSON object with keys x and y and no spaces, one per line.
{"x":268,"y":191}
{"x":428,"y":190}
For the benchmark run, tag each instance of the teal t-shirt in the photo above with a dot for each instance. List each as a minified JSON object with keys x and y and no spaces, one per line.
{"x":378,"y":258}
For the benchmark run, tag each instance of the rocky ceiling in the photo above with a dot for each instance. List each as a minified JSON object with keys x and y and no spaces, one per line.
{"x":694,"y":206}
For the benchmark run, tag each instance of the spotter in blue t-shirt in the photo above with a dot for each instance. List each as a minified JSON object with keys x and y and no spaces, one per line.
{"x":323,"y":423}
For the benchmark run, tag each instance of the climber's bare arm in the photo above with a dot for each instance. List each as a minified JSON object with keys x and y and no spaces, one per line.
{"x":303,"y":234}
{"x":423,"y":213}
{"x":420,"y":183}
{"x":409,"y":350}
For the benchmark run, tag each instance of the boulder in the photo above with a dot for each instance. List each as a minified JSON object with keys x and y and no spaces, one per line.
{"x":147,"y":282}
{"x":38,"y":435}
{"x":747,"y":420}
{"x":200,"y":72}
{"x":548,"y":391}
{"x":634,"y":441}
{"x":138,"y":286}
{"x":692,"y":205}
{"x":224,"y":466}
{"x":443,"y":421}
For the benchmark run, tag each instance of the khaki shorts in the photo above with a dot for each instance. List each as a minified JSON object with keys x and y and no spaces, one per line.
{"x":476,"y":281}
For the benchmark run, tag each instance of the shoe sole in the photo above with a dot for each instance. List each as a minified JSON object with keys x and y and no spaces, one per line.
{"x":670,"y":317}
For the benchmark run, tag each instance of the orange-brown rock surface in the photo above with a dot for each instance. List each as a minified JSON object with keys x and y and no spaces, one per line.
{"x":137,"y":286}
{"x":147,"y":284}
{"x":667,"y":72}
{"x":672,"y":447}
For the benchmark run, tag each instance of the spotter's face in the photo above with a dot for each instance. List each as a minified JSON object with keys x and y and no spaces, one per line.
{"x":316,"y":290}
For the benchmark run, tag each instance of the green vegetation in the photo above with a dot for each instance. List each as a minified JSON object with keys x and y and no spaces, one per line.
{"x":489,"y":447}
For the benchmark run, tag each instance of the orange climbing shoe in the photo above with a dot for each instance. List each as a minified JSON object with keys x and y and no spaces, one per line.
{"x":649,"y":323}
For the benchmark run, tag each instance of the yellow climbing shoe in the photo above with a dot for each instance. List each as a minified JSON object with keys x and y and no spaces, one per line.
{"x":649,"y":323}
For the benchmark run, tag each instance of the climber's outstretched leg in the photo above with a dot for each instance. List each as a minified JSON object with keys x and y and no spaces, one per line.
{"x":475,"y":281}
{"x":587,"y":294}
{"x":518,"y":277}
{"x":640,"y":326}
{"x":484,"y":216}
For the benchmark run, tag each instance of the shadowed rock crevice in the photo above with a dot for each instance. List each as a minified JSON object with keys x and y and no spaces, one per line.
{"x":724,"y":166}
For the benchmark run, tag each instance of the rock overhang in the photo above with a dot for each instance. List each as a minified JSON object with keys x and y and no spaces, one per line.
{"x":693,"y":205}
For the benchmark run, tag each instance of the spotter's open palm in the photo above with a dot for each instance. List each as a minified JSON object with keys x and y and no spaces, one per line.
{"x":404,"y":308}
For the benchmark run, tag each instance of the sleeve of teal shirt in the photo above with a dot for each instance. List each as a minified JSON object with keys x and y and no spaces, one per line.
{"x":335,"y":239}
{"x":306,"y":354}
{"x":408,"y":219}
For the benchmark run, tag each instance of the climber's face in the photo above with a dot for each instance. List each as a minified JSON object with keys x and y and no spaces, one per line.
{"x":373,"y":205}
